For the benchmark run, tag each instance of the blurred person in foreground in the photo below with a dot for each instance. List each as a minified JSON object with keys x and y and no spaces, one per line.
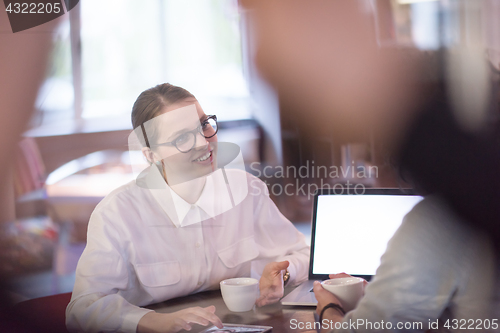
{"x":323,"y":59}
{"x":23,"y":61}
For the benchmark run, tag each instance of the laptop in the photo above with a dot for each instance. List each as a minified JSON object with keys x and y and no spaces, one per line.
{"x":350,"y":233}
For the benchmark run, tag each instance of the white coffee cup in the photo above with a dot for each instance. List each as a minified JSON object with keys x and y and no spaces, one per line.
{"x":240,"y":294}
{"x":348,"y":290}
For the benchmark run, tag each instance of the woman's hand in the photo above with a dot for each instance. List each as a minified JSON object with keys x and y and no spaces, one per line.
{"x":176,"y":321}
{"x":324,"y":297}
{"x":271,"y":283}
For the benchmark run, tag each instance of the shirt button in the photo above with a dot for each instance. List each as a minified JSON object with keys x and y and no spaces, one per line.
{"x":200,"y":283}
{"x":197,"y":244}
{"x":193,"y":206}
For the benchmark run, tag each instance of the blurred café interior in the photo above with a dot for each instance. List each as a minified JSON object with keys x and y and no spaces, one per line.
{"x":74,"y":151}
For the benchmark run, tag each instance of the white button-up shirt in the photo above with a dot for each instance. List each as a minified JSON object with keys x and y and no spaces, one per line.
{"x":148,"y":245}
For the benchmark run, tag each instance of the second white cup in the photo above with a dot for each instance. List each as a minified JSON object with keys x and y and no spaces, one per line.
{"x":240,"y":294}
{"x":348,"y":290}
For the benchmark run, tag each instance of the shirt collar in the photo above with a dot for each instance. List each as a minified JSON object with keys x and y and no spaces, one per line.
{"x":180,"y":212}
{"x":152,"y":181}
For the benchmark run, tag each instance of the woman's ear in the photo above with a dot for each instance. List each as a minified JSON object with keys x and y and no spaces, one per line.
{"x":149,"y":154}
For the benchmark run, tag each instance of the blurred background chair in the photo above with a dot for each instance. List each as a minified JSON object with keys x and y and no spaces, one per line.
{"x":46,"y":314}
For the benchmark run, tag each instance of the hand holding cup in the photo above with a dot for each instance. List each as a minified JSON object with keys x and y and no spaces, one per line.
{"x":348,"y":290}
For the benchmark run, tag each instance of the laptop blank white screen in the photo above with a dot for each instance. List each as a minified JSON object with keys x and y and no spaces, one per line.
{"x":352,"y":231}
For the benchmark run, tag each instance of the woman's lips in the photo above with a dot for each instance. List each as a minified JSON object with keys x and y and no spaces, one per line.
{"x":207,"y":159}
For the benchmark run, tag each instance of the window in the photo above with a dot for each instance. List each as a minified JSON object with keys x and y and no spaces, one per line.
{"x":56,"y":95}
{"x":128,"y":46}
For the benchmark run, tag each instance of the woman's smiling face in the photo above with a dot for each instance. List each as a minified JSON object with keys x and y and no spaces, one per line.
{"x":174,"y":125}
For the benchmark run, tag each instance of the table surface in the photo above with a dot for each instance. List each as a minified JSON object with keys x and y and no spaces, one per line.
{"x":281,"y":318}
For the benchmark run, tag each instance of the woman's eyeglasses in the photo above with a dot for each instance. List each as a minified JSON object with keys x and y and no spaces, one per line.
{"x":187,"y":140}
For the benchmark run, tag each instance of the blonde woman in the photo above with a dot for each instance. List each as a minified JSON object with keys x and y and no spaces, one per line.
{"x":172,"y":232}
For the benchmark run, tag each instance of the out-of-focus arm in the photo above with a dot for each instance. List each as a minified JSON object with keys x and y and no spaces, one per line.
{"x":101,"y":274}
{"x":423,"y":272}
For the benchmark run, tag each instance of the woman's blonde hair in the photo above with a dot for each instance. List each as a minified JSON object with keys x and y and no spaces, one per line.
{"x":150,"y":103}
